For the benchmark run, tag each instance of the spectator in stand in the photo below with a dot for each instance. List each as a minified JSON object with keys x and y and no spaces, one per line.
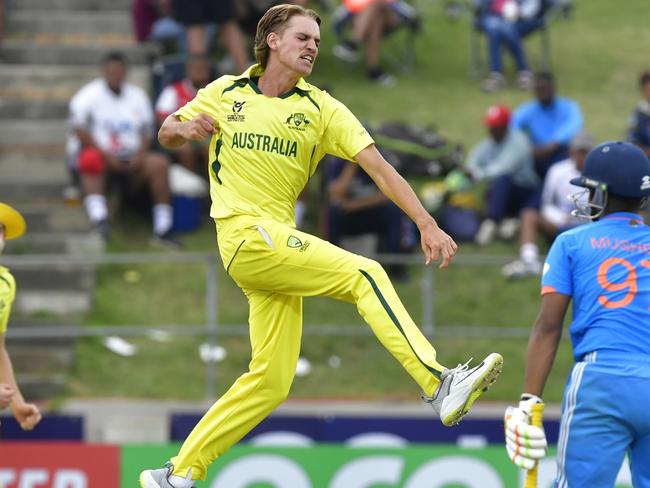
{"x":550,"y":122}
{"x":153,"y":20}
{"x":555,"y":214}
{"x":504,"y":159}
{"x":12,"y":226}
{"x":639,"y":132}
{"x":371,"y":19}
{"x":357,"y":206}
{"x":249,"y":12}
{"x":198,"y":73}
{"x":505,"y":24}
{"x":196,"y":14}
{"x":112,"y":125}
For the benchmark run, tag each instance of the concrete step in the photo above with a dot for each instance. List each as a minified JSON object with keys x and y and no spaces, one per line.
{"x":31,"y":359}
{"x":37,"y":192}
{"x":53,"y":218}
{"x":71,"y":50}
{"x":35,"y":150}
{"x":74,"y":243}
{"x":32,"y":179}
{"x":43,"y":386}
{"x":74,"y":39}
{"x":19,"y":321}
{"x":71,"y":21}
{"x":59,"y":82}
{"x":53,"y":302}
{"x":16,"y":169}
{"x":71,"y":5}
{"x":28,"y":109}
{"x":61,"y":277}
{"x":33,"y":131}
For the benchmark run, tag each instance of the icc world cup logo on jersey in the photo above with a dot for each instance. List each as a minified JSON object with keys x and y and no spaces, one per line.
{"x":295,"y":121}
{"x":236,"y":115}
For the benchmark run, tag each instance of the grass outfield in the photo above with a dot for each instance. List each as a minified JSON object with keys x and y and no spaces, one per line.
{"x":597,"y":58}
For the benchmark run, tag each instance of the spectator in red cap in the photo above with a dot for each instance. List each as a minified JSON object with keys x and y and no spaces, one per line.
{"x":505,"y":161}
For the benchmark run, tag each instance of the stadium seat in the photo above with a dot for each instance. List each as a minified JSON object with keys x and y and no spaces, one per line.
{"x":551,"y":10}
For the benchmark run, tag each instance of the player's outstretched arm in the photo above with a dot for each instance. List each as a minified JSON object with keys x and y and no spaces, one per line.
{"x":27,"y":414}
{"x":436,"y":244}
{"x":173,"y":133}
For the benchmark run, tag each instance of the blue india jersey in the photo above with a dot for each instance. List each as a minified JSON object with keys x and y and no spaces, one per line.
{"x":605,"y":267}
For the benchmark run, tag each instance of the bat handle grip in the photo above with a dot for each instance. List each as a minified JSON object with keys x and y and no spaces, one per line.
{"x":536,"y":420}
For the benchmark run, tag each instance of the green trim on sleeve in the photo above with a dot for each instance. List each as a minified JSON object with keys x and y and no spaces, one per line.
{"x":236,"y":84}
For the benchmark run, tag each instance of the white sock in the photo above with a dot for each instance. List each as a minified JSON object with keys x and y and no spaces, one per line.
{"x":96,"y":207}
{"x":163,"y":218}
{"x":529,"y":253}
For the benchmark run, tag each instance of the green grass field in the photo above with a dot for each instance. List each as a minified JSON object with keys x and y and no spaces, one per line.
{"x":597,"y":57}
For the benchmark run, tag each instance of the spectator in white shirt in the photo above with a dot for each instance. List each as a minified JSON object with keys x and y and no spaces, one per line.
{"x":112,"y":124}
{"x":554,"y":215}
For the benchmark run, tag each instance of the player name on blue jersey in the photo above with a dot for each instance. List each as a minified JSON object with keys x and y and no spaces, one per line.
{"x":621,"y":244}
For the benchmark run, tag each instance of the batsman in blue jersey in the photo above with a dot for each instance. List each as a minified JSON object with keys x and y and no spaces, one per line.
{"x":605,"y":268}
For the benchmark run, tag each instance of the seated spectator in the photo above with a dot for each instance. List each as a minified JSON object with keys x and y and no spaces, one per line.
{"x":356,"y":206}
{"x":249,"y":12}
{"x":370,"y":20}
{"x":197,"y":74}
{"x":505,"y":24}
{"x":556,"y":207}
{"x":504,"y":159}
{"x":639,"y":131}
{"x":153,"y":21}
{"x":549,"y":121}
{"x":195,"y":15}
{"x":113,"y":129}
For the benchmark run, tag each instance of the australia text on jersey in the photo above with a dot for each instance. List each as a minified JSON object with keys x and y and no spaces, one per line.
{"x":262,"y":142}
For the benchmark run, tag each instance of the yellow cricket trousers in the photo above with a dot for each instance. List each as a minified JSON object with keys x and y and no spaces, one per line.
{"x":276,"y":265}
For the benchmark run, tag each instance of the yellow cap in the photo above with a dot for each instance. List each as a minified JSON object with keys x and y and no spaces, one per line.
{"x":13,"y":222}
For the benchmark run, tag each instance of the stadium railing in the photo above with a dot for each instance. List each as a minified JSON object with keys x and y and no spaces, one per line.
{"x":212,"y":328}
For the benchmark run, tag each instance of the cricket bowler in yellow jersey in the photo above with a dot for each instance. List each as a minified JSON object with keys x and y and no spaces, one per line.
{"x":269,"y":128}
{"x":12,"y":226}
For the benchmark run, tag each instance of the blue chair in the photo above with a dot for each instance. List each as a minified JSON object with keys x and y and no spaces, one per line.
{"x":549,"y":11}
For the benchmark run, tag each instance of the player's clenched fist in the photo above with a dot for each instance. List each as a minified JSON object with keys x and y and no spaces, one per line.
{"x":199,"y":128}
{"x":27,"y":415}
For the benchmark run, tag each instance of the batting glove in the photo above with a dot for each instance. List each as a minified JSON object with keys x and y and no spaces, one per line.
{"x":525,"y":443}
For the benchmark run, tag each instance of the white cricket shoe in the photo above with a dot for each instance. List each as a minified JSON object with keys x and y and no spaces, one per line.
{"x":460,"y":387}
{"x":519,"y":269}
{"x":159,"y":478}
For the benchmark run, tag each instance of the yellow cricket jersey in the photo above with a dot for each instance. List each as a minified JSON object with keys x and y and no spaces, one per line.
{"x":267,"y":148}
{"x":7,"y":295}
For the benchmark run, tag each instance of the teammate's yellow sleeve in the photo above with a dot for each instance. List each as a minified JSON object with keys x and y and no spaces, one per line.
{"x":7,"y":295}
{"x":343,"y":135}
